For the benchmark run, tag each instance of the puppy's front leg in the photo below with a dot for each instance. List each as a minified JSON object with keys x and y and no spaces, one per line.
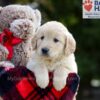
{"x":41,"y":74}
{"x":60,"y":76}
{"x":42,"y":78}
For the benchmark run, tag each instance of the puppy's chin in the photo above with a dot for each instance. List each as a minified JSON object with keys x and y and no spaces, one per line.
{"x":45,"y":56}
{"x":48,"y":57}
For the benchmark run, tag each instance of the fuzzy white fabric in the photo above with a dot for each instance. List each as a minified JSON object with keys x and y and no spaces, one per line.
{"x":12,"y":12}
{"x":6,"y":64}
{"x":23,"y":21}
{"x":60,"y":59}
{"x":24,"y":29}
{"x":0,"y":9}
{"x":3,"y":55}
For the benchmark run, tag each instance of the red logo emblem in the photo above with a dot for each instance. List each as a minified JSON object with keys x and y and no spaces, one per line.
{"x":87,"y":5}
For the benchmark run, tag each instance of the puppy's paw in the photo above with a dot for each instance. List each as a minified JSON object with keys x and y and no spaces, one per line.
{"x":59,"y":83}
{"x":42,"y":82}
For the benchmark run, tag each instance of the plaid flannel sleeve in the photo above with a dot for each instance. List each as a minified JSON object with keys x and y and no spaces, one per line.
{"x":19,"y":84}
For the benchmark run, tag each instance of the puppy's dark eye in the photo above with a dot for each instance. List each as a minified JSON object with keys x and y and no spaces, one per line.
{"x":56,"y":40}
{"x":42,"y":37}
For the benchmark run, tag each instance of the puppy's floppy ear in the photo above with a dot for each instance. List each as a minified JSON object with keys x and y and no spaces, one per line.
{"x":70,"y":45}
{"x":34,"y":42}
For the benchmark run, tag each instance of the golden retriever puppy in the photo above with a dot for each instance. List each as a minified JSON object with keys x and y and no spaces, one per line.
{"x":53,"y":52}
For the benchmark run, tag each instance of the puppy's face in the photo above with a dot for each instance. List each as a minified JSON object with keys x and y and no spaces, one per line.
{"x":50,"y":44}
{"x":53,"y":42}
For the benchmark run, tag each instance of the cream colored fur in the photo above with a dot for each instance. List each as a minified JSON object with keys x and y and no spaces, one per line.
{"x":60,"y":59}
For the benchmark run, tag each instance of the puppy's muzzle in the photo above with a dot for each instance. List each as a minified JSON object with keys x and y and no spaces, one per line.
{"x":45,"y":51}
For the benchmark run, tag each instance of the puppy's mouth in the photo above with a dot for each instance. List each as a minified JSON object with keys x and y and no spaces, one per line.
{"x":45,"y":55}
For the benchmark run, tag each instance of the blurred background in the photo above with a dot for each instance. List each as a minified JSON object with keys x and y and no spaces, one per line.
{"x":86,"y":33}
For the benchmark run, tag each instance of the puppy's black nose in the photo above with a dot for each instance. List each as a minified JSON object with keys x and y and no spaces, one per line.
{"x":45,"y":51}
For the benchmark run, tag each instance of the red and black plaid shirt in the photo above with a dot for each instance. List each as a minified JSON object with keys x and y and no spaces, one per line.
{"x":19,"y":84}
